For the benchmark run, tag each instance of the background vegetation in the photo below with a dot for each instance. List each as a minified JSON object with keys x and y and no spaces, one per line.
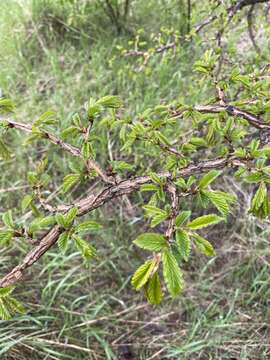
{"x":55,"y":54}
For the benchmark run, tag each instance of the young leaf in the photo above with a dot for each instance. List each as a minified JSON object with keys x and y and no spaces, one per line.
{"x":172,"y":273}
{"x":63,"y":241}
{"x":208,"y":178}
{"x":26,"y":201}
{"x":151,"y":241}
{"x":110,"y":101}
{"x":203,"y":245}
{"x":70,"y":216}
{"x":153,"y":290}
{"x":4,"y":313}
{"x":182,"y":218}
{"x":183,"y":243}
{"x":6,"y":237}
{"x":69,"y":181}
{"x":61,"y":220}
{"x":220,"y":200}
{"x":88,"y":225}
{"x":41,"y":222}
{"x":142,"y":274}
{"x":5,"y":291}
{"x":88,"y":251}
{"x":204,"y":221}
{"x":259,"y":197}
{"x":7,"y":219}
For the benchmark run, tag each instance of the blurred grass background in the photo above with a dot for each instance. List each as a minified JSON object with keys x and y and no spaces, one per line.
{"x":54,"y":55}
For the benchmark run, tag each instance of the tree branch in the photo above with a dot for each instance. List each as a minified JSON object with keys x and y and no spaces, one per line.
{"x":92,"y":202}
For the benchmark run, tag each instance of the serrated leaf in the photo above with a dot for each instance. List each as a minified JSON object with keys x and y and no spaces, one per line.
{"x":69,"y":181}
{"x":142,"y":274}
{"x":6,"y":237}
{"x":7,"y":219}
{"x":153,"y":210}
{"x":5,"y":291}
{"x":220,"y":200}
{"x":151,"y":241}
{"x":47,"y":118}
{"x":203,"y":245}
{"x":87,"y":251}
{"x":4,"y":313}
{"x":110,"y":101}
{"x":172,"y":273}
{"x":61,"y":220}
{"x":71,"y":130}
{"x":158,"y":219}
{"x":26,"y":201}
{"x":86,"y":150}
{"x":204,"y":221}
{"x":88,"y":225}
{"x":41,"y":222}
{"x":148,"y":187}
{"x":153,"y":290}
{"x":183,"y":243}
{"x":14,"y":306}
{"x":182,"y":217}
{"x":259,"y":197}
{"x":70,"y":215}
{"x":208,"y":178}
{"x":63,"y":241}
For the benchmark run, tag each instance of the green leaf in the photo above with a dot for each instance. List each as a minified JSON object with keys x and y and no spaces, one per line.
{"x":6,"y":106}
{"x":151,"y":241}
{"x":61,"y":220}
{"x":69,"y":181}
{"x":88,"y":225}
{"x":183,"y":243}
{"x":26,"y":201}
{"x":87,"y":251}
{"x":203,"y":245}
{"x":63,"y":241}
{"x":6,"y":237}
{"x":208,"y":178}
{"x":259,"y":197}
{"x":72,"y":130}
{"x":182,"y":218}
{"x":4,"y":313}
{"x":172,"y":273}
{"x":86,"y":150}
{"x":148,"y":187}
{"x":41,"y":222}
{"x":14,"y":306}
{"x":158,"y":219}
{"x":47,"y":118}
{"x":142,"y":274}
{"x":7,"y":219}
{"x":153,"y":290}
{"x":70,"y":215}
{"x":110,"y":101}
{"x":204,"y":221}
{"x":220,"y":200}
{"x":5,"y":291}
{"x":153,"y":210}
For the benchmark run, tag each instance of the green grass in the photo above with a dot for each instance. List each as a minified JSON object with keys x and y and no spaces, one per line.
{"x":83,"y":312}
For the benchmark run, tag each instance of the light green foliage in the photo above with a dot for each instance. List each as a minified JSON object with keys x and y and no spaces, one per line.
{"x":204,"y":221}
{"x":151,"y":241}
{"x":8,"y":305}
{"x":58,"y":54}
{"x":172,"y":273}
